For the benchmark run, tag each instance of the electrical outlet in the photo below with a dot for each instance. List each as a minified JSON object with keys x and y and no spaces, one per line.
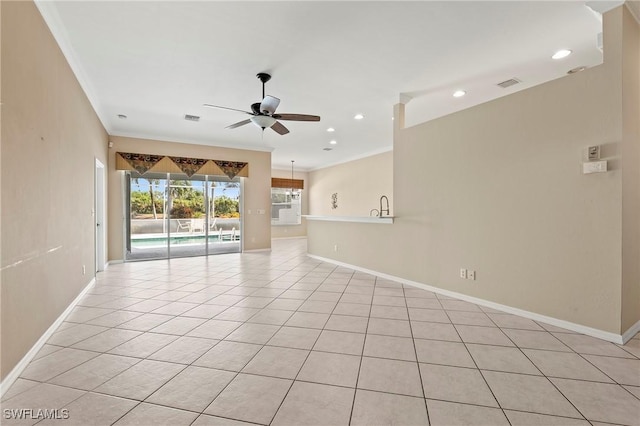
{"x":84,"y":270}
{"x":335,"y":247}
{"x":463,"y":273}
{"x":471,"y":275}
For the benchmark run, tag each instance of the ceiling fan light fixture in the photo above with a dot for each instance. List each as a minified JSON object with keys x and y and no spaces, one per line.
{"x":263,"y":113}
{"x":263,"y":121}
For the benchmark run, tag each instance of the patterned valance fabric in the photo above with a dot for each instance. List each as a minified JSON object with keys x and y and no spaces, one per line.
{"x":143,"y":163}
{"x":189,"y":166}
{"x":230,"y":168}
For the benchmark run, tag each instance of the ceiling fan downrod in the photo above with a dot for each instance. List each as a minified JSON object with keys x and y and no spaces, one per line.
{"x":263,"y":77}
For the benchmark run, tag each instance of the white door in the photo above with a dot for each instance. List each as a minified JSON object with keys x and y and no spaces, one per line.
{"x":99,"y":216}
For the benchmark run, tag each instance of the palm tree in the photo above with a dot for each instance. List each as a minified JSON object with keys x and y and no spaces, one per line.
{"x":153,"y":201}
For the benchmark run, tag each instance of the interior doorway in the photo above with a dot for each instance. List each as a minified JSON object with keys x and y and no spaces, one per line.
{"x":99,"y":216}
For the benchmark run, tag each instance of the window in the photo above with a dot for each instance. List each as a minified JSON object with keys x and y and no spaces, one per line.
{"x":286,"y":206}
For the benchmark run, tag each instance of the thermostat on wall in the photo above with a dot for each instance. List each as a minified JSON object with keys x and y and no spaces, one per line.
{"x":593,"y":153}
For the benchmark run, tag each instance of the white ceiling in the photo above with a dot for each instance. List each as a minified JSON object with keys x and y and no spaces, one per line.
{"x":156,"y":61}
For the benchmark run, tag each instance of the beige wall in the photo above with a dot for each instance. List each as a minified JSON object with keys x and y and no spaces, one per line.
{"x":288,"y":231}
{"x":1,"y":369}
{"x":256,"y":191}
{"x":630,"y":172}
{"x":359,"y":185}
{"x":498,"y":188}
{"x":50,"y":139}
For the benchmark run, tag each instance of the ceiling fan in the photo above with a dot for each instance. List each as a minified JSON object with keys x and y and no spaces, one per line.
{"x":264,"y":113}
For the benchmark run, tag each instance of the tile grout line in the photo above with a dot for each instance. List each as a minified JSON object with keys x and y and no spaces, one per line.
{"x":310,"y":350}
{"x":478,"y":368}
{"x":237,"y":373}
{"x":141,"y":359}
{"x":603,"y":372}
{"x":543,"y":375}
{"x":364,"y":343}
{"x":415,"y":351}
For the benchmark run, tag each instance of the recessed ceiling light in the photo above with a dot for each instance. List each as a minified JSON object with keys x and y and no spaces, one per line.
{"x":331,"y":129}
{"x":122,"y":116}
{"x":563,"y":53}
{"x":459,"y":93}
{"x":333,"y":142}
{"x":358,"y":116}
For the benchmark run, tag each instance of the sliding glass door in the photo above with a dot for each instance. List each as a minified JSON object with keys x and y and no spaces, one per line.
{"x":224,"y":218}
{"x":147,"y":230}
{"x":187,"y":212}
{"x":173,"y":215}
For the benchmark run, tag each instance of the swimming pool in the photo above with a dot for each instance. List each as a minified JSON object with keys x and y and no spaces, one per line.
{"x":186,"y":240}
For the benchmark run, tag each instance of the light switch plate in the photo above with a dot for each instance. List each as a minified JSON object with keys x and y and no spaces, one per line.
{"x":594,"y":167}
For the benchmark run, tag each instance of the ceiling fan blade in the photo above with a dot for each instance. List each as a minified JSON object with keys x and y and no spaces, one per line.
{"x":238,"y":124}
{"x":230,"y":109}
{"x":297,"y":117}
{"x":269,"y":104}
{"x":279,"y":128}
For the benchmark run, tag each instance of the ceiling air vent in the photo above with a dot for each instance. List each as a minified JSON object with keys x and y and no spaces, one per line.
{"x":327,"y":149}
{"x":191,"y":117}
{"x":509,"y":83}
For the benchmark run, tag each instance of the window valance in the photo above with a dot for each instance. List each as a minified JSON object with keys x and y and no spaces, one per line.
{"x":287,"y":183}
{"x":143,"y":163}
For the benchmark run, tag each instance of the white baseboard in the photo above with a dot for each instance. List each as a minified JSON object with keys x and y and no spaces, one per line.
{"x":589,"y":331}
{"x":17,"y":370}
{"x":632,"y":331}
{"x":113,"y":262}
{"x":297,"y":237}
{"x":256,"y":250}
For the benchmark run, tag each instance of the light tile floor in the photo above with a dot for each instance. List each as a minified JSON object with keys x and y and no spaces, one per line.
{"x":279,"y":338}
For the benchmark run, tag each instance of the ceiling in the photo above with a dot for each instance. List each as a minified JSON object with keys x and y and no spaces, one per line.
{"x":155,"y":61}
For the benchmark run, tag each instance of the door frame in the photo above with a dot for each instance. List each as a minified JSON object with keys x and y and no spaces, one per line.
{"x":99,"y":216}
